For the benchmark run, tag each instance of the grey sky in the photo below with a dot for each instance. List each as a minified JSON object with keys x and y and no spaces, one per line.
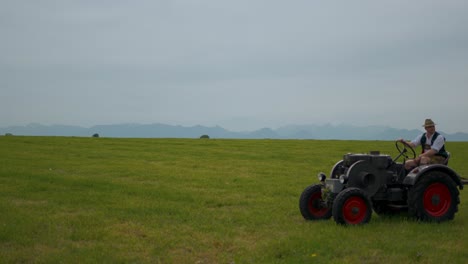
{"x":241,"y":64}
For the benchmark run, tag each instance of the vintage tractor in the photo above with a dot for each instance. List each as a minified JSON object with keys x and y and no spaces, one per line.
{"x":361,"y":183}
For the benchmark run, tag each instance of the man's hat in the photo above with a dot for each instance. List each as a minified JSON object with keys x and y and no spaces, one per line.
{"x":428,"y":123}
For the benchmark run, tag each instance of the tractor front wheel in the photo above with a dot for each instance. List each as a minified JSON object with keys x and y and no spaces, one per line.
{"x":312,"y":205}
{"x":352,"y":207}
{"x":434,"y":197}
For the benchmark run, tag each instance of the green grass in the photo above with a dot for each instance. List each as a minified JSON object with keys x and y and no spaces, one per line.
{"x":102,"y":200}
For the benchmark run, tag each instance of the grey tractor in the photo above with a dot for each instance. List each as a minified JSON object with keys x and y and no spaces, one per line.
{"x":362,"y":183}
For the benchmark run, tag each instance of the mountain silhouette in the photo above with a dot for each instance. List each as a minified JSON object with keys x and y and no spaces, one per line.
{"x":157,"y":130}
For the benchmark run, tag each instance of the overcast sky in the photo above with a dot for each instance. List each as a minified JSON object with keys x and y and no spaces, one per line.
{"x":243,"y":64}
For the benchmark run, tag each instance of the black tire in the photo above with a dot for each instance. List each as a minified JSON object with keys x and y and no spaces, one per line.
{"x":434,"y":197}
{"x":311,"y":204}
{"x":352,"y":207}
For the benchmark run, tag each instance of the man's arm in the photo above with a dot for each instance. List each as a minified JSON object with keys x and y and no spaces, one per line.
{"x":428,"y":153}
{"x":439,"y":142}
{"x":413,"y":145}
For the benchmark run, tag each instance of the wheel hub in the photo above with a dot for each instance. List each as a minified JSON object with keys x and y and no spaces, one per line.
{"x":355,"y":210}
{"x":435,"y":200}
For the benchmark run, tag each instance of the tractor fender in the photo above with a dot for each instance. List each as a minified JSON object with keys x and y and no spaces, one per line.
{"x":414,"y":175}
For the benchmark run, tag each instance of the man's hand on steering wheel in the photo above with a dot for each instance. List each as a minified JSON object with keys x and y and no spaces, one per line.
{"x":402,"y":148}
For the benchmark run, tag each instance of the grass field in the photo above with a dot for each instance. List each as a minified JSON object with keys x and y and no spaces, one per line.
{"x":103,"y":200}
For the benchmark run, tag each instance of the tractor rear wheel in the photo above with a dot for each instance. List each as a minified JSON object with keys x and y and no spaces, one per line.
{"x":434,"y":197}
{"x":352,"y":207}
{"x":312,"y":205}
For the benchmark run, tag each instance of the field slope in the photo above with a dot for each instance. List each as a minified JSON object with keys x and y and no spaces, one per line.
{"x":107,"y":200}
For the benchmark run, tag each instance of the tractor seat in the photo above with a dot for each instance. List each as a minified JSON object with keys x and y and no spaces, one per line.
{"x":447,"y":159}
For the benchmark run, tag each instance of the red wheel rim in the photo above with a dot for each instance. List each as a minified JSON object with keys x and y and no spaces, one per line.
{"x":437,"y":199}
{"x":314,"y":205}
{"x":354,"y":210}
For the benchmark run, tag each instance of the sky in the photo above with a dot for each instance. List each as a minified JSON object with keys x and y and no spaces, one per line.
{"x":242,"y":65}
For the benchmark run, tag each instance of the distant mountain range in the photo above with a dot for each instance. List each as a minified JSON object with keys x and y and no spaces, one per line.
{"x":340,"y":132}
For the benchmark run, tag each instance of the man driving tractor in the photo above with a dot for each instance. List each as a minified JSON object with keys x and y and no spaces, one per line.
{"x":433,"y":147}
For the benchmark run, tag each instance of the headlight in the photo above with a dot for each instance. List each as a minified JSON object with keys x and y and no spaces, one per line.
{"x":343,"y":179}
{"x":321,"y":176}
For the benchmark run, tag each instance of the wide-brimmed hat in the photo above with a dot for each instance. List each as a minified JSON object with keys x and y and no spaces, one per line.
{"x":428,"y":123}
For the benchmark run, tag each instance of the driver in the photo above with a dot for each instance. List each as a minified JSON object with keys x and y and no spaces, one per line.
{"x":433,"y":147}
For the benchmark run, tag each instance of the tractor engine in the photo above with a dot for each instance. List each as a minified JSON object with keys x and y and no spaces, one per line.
{"x":365,"y":171}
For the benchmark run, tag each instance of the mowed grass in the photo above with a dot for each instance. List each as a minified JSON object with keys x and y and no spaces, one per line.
{"x":108,"y":200}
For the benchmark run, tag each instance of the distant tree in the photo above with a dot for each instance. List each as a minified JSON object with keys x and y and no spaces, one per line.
{"x":205,"y":136}
{"x":8,"y":134}
{"x":96,"y":135}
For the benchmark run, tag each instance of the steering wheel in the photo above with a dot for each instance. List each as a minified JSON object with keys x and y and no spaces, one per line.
{"x":402,"y":149}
